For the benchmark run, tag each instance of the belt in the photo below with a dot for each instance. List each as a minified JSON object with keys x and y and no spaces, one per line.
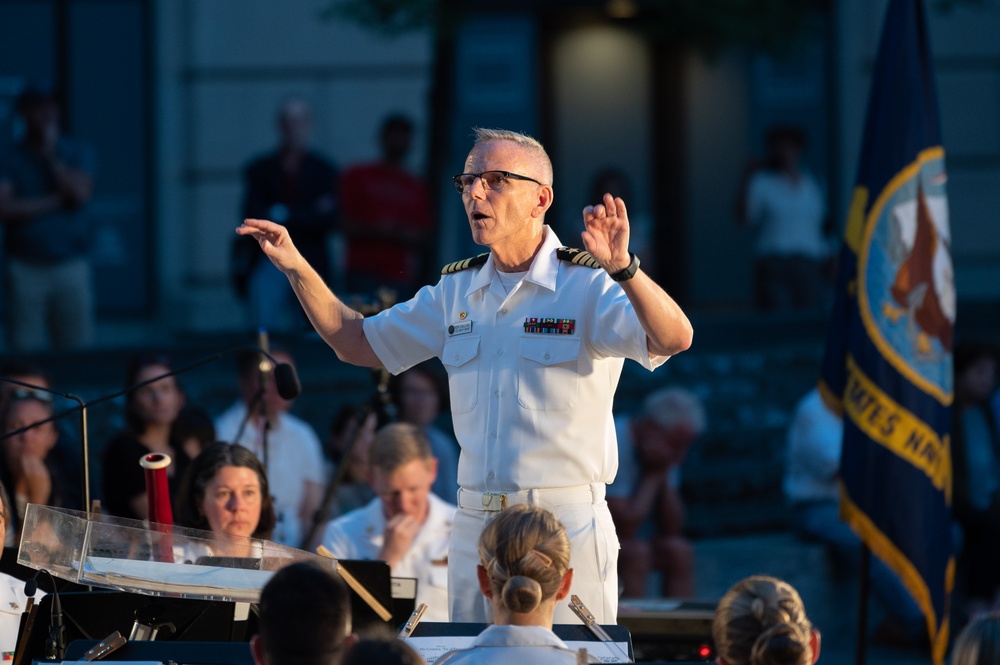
{"x":493,"y":502}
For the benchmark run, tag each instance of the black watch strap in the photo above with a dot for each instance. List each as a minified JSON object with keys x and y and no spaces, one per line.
{"x":629,"y":271}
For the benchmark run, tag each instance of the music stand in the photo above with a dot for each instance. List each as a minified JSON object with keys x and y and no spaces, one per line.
{"x":93,"y":615}
{"x":217,"y":653}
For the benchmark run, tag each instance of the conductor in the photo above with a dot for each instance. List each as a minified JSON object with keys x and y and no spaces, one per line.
{"x":533,"y":336}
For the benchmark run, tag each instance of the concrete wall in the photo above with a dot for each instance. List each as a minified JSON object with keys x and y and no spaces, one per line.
{"x":221,"y":69}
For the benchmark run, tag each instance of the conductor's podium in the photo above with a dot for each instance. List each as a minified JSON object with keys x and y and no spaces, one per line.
{"x":668,"y":630}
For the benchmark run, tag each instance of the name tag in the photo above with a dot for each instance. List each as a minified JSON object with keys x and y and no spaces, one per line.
{"x":460,"y":328}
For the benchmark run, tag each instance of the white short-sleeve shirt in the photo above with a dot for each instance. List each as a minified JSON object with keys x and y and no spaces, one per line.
{"x":532,"y":373}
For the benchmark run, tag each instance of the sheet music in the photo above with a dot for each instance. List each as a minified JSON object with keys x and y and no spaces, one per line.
{"x":431,"y":648}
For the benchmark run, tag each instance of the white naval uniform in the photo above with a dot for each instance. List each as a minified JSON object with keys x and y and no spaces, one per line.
{"x":532,"y":411}
{"x":360,"y":535}
{"x":12,"y":604}
{"x":524,"y":645}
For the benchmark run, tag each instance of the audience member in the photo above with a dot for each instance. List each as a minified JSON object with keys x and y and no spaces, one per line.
{"x":418,"y":394}
{"x":976,"y":468}
{"x":386,"y":217}
{"x":305,"y":617}
{"x":645,"y":499}
{"x":979,"y":642}
{"x":381,"y":650}
{"x":150,"y":412}
{"x":523,"y":571}
{"x":811,"y":486}
{"x":787,"y":205}
{"x":12,"y":596}
{"x":45,"y":182}
{"x":293,"y":456}
{"x":30,"y":468}
{"x":761,"y":621}
{"x":193,"y":431}
{"x":297,"y":187}
{"x":225,"y":491}
{"x":406,"y":525}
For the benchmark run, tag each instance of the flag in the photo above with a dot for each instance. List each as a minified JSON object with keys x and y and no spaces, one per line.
{"x":887,"y":366}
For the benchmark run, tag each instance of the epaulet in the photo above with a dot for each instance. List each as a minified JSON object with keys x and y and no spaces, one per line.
{"x":470,"y":262}
{"x":578,"y":256}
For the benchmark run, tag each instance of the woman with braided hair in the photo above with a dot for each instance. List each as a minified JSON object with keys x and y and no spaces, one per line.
{"x":761,"y":621}
{"x":523,"y":571}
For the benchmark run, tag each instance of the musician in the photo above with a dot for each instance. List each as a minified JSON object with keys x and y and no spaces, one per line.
{"x":406,"y":525}
{"x":225,"y":491}
{"x":524,"y":571}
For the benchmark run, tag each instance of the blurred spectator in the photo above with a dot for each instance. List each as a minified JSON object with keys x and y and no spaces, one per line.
{"x":418,"y":394}
{"x":761,"y":620}
{"x":351,"y":436}
{"x":787,"y":205}
{"x":30,"y":468}
{"x":976,"y":468}
{"x":297,"y":187}
{"x":386,"y":217}
{"x":645,"y":499}
{"x":193,"y":431}
{"x":150,"y":412}
{"x":406,"y":525}
{"x":13,"y":599}
{"x":45,"y":182}
{"x":292,"y":456}
{"x":305,"y":617}
{"x":812,"y":470}
{"x":979,"y":642}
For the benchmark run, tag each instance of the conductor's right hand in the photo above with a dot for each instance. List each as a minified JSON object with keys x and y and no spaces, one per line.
{"x":274,"y":241}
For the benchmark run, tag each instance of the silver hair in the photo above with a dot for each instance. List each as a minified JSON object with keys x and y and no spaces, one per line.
{"x":671,"y":407}
{"x":483,"y":134}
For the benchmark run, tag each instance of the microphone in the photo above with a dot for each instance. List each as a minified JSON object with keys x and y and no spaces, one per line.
{"x":55,"y":646}
{"x":285,"y":377}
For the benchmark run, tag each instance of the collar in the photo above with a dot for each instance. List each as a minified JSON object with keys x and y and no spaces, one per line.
{"x":518,"y":636}
{"x":543,"y":270}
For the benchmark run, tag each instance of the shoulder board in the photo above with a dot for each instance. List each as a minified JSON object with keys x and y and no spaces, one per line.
{"x":470,"y":262}
{"x":578,"y":256}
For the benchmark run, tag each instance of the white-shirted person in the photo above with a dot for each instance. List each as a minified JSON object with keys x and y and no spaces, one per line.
{"x":533,"y":337}
{"x":406,"y":525}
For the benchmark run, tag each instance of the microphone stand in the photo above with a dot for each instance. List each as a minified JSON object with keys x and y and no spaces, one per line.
{"x":82,"y":405}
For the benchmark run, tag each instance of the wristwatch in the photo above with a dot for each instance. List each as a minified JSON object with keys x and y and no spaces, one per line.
{"x":628,"y":272}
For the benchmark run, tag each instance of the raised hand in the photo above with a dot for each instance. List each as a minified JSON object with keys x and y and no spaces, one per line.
{"x":606,"y":233}
{"x":400,"y":531}
{"x":274,"y":241}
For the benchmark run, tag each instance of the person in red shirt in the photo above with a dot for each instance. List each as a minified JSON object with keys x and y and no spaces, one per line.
{"x":386,"y":217}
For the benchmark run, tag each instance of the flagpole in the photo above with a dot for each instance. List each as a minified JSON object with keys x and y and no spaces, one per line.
{"x":861,"y":646}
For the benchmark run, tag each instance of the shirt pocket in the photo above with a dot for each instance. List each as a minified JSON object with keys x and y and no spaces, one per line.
{"x":548,"y":374}
{"x":461,"y":358}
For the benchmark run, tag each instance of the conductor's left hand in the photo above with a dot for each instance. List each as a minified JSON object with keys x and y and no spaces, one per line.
{"x":274,"y":241}
{"x":606,"y":233}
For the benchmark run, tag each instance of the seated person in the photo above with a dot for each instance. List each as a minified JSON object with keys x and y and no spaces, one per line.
{"x":645,"y":499}
{"x":29,"y":468}
{"x":305,"y":617}
{"x":381,"y":650}
{"x":523,"y":571}
{"x":979,"y":642}
{"x":406,"y":525}
{"x":811,"y":487}
{"x":225,"y":491}
{"x":761,"y":620}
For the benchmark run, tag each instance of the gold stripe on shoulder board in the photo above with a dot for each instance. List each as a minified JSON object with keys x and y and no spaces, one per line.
{"x":578,"y":256}
{"x":471,"y":262}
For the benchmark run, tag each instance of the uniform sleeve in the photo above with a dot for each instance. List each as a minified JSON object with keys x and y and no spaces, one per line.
{"x":410,"y":332}
{"x":337,"y":540}
{"x":614,"y":330}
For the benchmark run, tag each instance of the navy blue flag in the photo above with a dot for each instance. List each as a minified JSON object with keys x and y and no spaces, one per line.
{"x":887,"y":366}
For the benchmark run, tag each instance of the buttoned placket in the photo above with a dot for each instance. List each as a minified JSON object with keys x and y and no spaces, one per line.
{"x":500,"y":367}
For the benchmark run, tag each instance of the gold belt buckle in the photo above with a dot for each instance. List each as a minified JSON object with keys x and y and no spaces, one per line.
{"x":494,"y":503}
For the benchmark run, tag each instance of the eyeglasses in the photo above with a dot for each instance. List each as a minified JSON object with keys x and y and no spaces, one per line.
{"x":492,"y":180}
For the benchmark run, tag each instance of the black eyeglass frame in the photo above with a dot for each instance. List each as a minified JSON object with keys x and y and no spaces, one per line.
{"x":457,"y":179}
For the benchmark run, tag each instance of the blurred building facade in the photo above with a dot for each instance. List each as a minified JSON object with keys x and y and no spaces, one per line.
{"x":178,"y":94}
